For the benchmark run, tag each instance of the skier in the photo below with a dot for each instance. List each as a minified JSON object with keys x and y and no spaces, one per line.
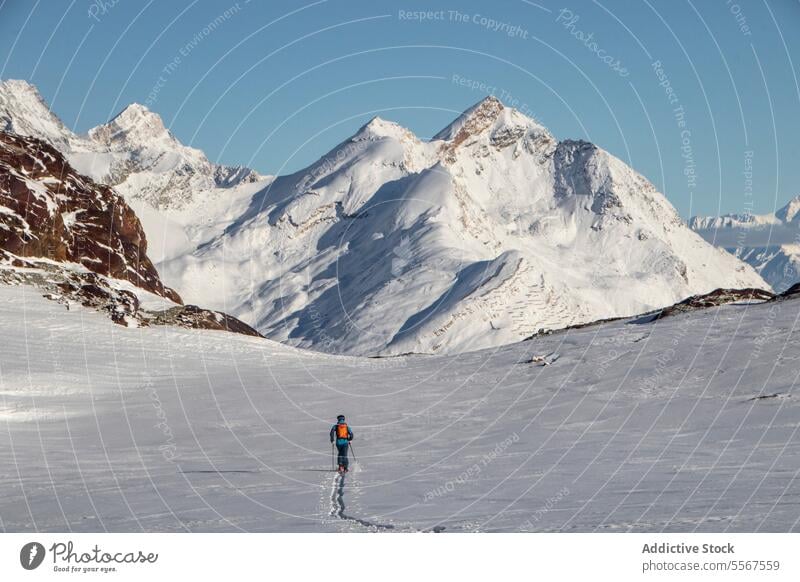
{"x":343,"y":435}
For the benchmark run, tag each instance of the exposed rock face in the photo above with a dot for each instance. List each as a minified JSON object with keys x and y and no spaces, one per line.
{"x":78,"y":242}
{"x":24,"y":112}
{"x":715,"y":299}
{"x":49,"y":211}
{"x":195,"y":317}
{"x":791,"y":293}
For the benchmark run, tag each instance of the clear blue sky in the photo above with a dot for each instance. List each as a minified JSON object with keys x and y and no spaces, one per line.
{"x":275,"y":85}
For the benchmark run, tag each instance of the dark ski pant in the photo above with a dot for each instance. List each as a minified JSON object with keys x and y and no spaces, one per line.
{"x":342,"y":459}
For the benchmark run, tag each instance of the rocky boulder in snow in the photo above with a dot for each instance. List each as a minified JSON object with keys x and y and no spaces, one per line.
{"x":716,"y":298}
{"x":70,"y":284}
{"x":195,"y":317}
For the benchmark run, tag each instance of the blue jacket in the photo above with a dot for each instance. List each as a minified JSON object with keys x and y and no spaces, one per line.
{"x":341,"y":442}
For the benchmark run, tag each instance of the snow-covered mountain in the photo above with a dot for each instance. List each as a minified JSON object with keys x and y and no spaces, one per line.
{"x":484,"y":235}
{"x":770,"y":243}
{"x":134,"y":152}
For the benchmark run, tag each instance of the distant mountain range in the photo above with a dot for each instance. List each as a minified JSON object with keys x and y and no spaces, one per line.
{"x":770,"y":243}
{"x":490,"y":232}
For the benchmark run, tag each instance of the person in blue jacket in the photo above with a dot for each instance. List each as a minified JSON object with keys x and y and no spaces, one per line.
{"x":342,"y":435}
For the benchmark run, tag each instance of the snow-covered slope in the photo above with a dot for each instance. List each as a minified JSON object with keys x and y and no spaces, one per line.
{"x":486,"y":234}
{"x":688,"y":423}
{"x":770,"y":243}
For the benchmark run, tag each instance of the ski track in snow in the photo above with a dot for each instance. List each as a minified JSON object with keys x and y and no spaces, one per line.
{"x":338,"y":507}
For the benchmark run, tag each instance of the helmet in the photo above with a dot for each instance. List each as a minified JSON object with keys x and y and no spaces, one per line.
{"x":340,"y":418}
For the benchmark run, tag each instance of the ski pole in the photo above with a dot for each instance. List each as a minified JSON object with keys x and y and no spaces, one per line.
{"x":333,"y":463}
{"x":352,"y":451}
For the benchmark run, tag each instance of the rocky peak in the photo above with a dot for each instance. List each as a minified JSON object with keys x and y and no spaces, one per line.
{"x":23,"y":111}
{"x":20,"y":89}
{"x":489,"y":124}
{"x":473,"y":121}
{"x":134,"y":125}
{"x":790,"y":212}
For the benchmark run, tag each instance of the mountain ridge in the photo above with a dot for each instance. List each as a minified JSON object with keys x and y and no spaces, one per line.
{"x":134,"y":151}
{"x":480,"y":236}
{"x":489,"y":232}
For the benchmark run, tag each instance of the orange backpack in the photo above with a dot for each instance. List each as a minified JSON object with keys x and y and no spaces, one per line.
{"x":341,"y":431}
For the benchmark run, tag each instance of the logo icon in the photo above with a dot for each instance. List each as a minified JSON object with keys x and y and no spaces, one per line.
{"x":31,"y":555}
